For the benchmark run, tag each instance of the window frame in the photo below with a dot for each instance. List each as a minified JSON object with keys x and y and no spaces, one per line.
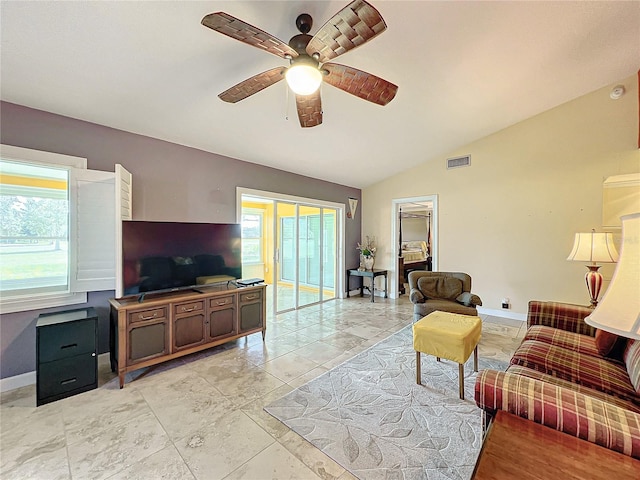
{"x":20,"y":303}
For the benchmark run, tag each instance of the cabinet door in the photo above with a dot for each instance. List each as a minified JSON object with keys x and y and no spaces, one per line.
{"x":70,"y":374}
{"x":147,"y":340}
{"x":66,"y":340}
{"x":222,"y":317}
{"x":188,"y":325}
{"x":251,"y":315}
{"x":188,"y":331}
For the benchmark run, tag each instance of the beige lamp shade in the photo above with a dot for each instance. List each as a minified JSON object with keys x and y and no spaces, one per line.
{"x":619,"y":310}
{"x":594,"y":247}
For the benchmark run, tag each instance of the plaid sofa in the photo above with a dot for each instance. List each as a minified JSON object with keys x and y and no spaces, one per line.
{"x":559,"y":378}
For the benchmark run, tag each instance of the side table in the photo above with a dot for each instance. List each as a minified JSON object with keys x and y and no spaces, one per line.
{"x":372,"y":274}
{"x":522,"y":449}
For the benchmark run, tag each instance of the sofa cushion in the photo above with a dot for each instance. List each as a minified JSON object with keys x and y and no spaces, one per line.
{"x":589,"y":371}
{"x":632,"y":360}
{"x":605,"y":397}
{"x":607,"y":343}
{"x":560,"y":315}
{"x":423,"y":309}
{"x":440,"y":287}
{"x":562,"y":338}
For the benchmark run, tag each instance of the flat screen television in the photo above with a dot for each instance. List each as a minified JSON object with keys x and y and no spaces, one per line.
{"x":167,"y":256}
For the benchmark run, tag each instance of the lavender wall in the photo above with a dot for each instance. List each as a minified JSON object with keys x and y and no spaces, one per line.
{"x":171,"y":183}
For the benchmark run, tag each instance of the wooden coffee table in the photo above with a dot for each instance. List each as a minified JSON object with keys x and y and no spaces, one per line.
{"x":516,"y":448}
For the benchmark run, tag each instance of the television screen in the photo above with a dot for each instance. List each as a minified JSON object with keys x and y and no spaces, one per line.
{"x":173,"y":255}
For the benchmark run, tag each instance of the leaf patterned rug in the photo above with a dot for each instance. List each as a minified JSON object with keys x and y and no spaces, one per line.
{"x":371,"y":417}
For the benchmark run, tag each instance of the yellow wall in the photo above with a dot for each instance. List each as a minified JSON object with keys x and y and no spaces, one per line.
{"x":509,"y":219}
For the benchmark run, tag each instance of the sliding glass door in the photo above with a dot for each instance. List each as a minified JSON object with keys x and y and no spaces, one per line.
{"x":307,"y":255}
{"x":296,"y":246}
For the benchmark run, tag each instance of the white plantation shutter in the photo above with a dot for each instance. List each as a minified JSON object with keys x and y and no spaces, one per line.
{"x":123,"y":182}
{"x":92,"y":231}
{"x":123,"y":193}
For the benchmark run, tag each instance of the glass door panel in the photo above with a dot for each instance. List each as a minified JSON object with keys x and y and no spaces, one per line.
{"x":286,"y":256}
{"x":309,"y":255}
{"x":257,"y":220}
{"x":329,"y":249}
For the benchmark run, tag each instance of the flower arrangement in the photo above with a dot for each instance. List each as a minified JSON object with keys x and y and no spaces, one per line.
{"x":368,"y":248}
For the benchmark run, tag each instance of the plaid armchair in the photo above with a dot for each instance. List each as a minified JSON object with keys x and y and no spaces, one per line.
{"x":558,"y":377}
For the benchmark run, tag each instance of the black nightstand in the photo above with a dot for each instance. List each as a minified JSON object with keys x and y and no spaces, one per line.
{"x":66,"y":354}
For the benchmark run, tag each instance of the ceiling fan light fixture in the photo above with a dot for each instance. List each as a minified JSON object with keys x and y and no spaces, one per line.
{"x":303,"y":79}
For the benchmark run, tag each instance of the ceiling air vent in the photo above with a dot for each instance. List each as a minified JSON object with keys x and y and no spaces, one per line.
{"x":459,"y":162}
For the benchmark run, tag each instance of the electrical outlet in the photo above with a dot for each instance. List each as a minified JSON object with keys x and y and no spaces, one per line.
{"x":505,"y":303}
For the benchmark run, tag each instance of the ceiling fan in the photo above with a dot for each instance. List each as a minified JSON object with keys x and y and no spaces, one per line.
{"x":308,"y":56}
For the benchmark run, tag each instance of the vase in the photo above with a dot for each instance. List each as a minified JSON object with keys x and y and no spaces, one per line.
{"x":368,"y":262}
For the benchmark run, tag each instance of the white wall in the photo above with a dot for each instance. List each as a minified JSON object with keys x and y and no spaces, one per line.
{"x":509,"y":219}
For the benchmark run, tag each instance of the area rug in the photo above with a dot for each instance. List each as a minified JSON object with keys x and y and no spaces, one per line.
{"x":371,"y":417}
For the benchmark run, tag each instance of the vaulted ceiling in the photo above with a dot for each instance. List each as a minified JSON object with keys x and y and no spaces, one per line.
{"x":464,"y":70}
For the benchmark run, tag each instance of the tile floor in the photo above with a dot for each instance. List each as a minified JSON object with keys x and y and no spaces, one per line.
{"x":201,"y":416}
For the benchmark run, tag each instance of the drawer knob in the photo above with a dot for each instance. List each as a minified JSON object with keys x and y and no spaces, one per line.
{"x":71,"y":345}
{"x":222,"y":303}
{"x":68,"y":381}
{"x":188,"y":309}
{"x":251,"y":297}
{"x":155,"y":314}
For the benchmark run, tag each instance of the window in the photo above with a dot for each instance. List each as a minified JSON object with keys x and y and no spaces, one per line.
{"x":34,"y":229}
{"x":252,"y":249}
{"x":58,"y":231}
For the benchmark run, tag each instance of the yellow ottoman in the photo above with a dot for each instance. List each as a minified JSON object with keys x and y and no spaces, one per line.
{"x":448,"y":335}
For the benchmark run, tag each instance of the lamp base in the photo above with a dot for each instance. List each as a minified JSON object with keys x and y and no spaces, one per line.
{"x":593,"y":278}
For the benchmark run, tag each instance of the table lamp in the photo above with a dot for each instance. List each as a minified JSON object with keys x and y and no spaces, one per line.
{"x":593,"y":248}
{"x":619,"y":310}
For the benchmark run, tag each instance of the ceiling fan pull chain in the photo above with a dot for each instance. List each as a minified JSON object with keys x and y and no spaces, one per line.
{"x":286,"y":103}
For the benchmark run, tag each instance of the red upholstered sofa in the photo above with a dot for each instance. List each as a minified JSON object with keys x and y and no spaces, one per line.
{"x":560,"y":378}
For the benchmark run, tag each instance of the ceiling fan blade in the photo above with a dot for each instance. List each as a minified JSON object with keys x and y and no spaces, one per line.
{"x":235,"y":28}
{"x":309,"y":109}
{"x":361,"y":84}
{"x":352,"y":26}
{"x":252,"y":85}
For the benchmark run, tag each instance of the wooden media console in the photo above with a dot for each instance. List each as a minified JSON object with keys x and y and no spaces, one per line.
{"x":165,"y":326}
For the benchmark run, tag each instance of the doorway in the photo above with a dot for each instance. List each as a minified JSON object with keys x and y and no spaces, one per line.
{"x":295,"y":245}
{"x":424,"y":210}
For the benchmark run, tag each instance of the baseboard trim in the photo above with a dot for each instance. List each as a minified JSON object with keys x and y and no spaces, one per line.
{"x":17,"y":381}
{"x":503,"y":314}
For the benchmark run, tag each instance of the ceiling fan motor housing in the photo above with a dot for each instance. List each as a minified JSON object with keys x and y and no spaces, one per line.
{"x":299,"y":43}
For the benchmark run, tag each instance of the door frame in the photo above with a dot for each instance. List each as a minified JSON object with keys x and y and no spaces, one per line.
{"x":396,"y":203}
{"x":340,"y":224}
